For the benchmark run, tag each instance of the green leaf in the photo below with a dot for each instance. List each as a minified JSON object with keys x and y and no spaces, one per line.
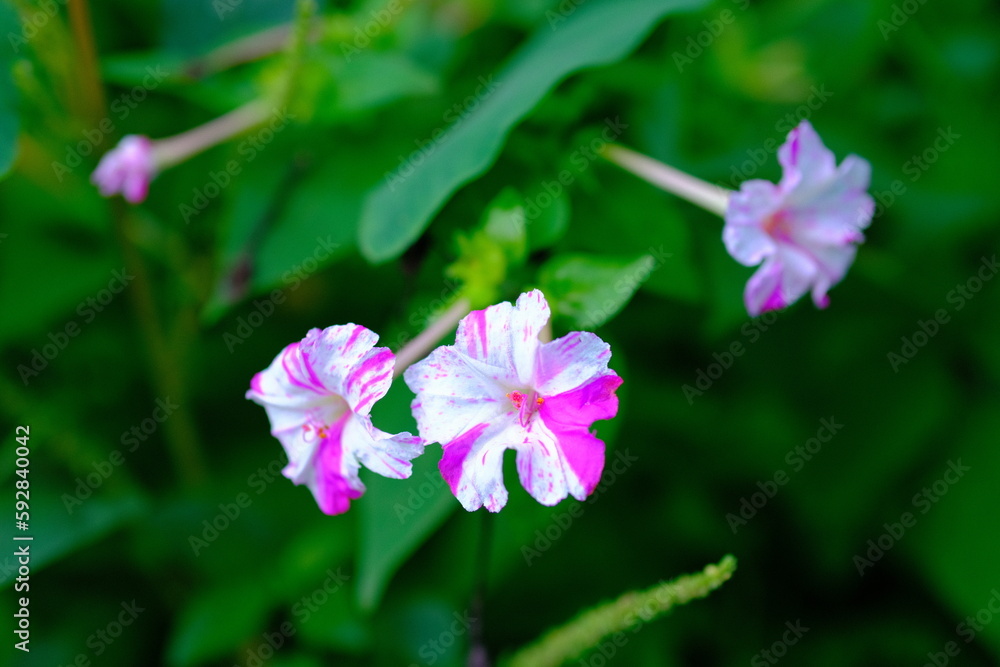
{"x":590,"y":290}
{"x":9,"y":122}
{"x":66,"y":533}
{"x":367,"y":83}
{"x":396,"y":518}
{"x":596,"y":33}
{"x":218,"y":622}
{"x":546,"y":225}
{"x":485,"y":255}
{"x":951,"y":540}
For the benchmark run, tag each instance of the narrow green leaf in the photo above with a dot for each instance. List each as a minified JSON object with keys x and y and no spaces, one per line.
{"x":596,"y":33}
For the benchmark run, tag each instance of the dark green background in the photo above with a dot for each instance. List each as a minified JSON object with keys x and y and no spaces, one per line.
{"x":890,"y":93}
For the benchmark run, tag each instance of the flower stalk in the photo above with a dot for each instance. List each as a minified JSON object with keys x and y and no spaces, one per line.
{"x":629,"y":612}
{"x":710,"y":197}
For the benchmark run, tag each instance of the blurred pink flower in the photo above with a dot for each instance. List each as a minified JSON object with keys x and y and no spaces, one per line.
{"x":500,"y":388}
{"x":127,"y":169}
{"x":318,"y":394}
{"x":805,"y":228}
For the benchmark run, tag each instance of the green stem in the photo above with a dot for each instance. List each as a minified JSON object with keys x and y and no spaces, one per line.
{"x":89,"y":78}
{"x":165,"y":360}
{"x":418,"y":348}
{"x":478,"y":655}
{"x":180,"y":432}
{"x":629,"y":611}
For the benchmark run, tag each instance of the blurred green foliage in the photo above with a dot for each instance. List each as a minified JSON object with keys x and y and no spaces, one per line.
{"x":415,"y":129}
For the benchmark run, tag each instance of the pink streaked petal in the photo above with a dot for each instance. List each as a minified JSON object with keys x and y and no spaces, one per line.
{"x":290,"y":394}
{"x":743,"y":234}
{"x":472,"y":465}
{"x":835,"y":211}
{"x":542,"y":469}
{"x":565,"y":437}
{"x":833,"y":263}
{"x":505,"y":336}
{"x":388,"y":455}
{"x":370,"y":379}
{"x":454,"y":393}
{"x":336,"y":481}
{"x":335,"y":353}
{"x":804,"y":158}
{"x":583,"y":405}
{"x":571,"y":361}
{"x":763,"y":290}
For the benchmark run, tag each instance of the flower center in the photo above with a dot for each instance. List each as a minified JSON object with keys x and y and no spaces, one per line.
{"x":313,"y":430}
{"x":525,"y":404}
{"x":776,"y":225}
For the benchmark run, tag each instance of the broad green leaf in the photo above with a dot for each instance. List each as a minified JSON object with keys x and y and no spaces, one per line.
{"x":590,"y":290}
{"x":595,"y":33}
{"x":219,"y":621}
{"x":66,"y":533}
{"x":954,"y":539}
{"x":396,"y":518}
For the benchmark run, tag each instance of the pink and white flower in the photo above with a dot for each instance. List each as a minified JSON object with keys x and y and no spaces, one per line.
{"x":318,"y":394}
{"x":127,"y":169}
{"x":500,"y":388}
{"x":805,"y":228}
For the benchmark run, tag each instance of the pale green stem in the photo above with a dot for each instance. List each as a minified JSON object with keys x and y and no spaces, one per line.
{"x":710,"y":197}
{"x":630,"y":611}
{"x":420,"y":346}
{"x":180,"y":147}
